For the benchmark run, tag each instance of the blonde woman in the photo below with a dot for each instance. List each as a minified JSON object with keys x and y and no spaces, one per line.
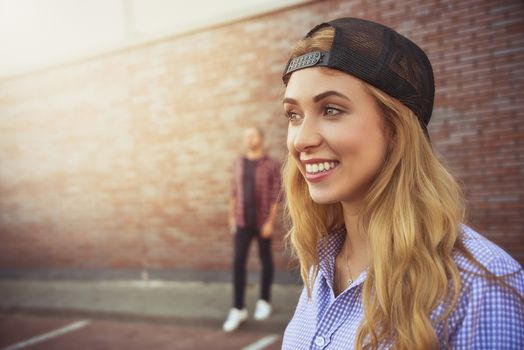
{"x":377,"y":219}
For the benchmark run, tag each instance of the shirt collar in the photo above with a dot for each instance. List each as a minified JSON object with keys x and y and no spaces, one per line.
{"x":330,"y":244}
{"x":328,"y":248}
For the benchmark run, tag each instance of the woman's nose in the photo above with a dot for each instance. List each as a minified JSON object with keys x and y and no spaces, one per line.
{"x":307,"y":136}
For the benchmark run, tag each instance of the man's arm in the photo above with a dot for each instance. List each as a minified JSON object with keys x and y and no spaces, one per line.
{"x":231,"y":216}
{"x":232,"y":200}
{"x":267,"y":229}
{"x":272,"y":213}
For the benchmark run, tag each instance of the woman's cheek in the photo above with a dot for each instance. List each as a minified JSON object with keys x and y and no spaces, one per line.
{"x":344,"y":142}
{"x":290,"y":140}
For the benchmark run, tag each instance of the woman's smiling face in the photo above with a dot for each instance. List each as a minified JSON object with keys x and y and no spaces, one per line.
{"x":336,"y":134}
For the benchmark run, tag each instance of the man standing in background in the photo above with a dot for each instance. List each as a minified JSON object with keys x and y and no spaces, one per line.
{"x":252,"y":209}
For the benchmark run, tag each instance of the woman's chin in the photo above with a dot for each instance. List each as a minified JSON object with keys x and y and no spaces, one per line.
{"x":323,"y":197}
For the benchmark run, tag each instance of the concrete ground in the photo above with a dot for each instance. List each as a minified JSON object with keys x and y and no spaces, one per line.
{"x":54,"y":332}
{"x":166,"y":312}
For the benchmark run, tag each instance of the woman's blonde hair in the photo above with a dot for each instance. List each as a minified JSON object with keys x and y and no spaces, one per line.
{"x":412,"y":216}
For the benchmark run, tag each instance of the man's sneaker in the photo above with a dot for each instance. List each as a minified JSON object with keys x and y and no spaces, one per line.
{"x":263,"y":310}
{"x":234,"y":319}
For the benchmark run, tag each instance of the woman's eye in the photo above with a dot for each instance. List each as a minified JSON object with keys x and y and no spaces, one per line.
{"x":331,"y":111}
{"x":293,"y":117}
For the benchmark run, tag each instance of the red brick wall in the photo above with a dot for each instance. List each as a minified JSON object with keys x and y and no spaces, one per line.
{"x":123,"y":160}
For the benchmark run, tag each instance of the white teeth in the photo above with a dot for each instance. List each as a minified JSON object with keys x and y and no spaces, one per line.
{"x":315,"y":168}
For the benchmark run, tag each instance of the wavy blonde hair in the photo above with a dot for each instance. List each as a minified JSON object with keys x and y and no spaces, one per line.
{"x":412,"y":216}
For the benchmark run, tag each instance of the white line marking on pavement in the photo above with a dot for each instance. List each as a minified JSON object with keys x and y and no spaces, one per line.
{"x":49,"y":335}
{"x":262,"y":343}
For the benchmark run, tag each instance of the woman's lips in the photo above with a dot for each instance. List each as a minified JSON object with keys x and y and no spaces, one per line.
{"x":317,"y":170}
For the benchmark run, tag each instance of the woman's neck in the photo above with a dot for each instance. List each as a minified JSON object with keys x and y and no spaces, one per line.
{"x":355,"y":247}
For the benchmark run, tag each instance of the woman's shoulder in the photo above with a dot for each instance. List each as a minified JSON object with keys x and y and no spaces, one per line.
{"x":489,"y":311}
{"x":490,"y":255}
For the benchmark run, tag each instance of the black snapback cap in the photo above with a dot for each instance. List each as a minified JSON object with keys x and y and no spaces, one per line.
{"x":379,"y":56}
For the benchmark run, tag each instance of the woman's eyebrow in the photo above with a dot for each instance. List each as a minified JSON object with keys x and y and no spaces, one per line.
{"x":290,"y":100}
{"x":327,"y":94}
{"x":318,"y":97}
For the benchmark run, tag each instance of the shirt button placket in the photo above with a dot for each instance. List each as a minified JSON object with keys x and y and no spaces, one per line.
{"x":320,"y":341}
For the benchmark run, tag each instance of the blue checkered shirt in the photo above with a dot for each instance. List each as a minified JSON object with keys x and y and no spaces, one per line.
{"x":487,"y":315}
